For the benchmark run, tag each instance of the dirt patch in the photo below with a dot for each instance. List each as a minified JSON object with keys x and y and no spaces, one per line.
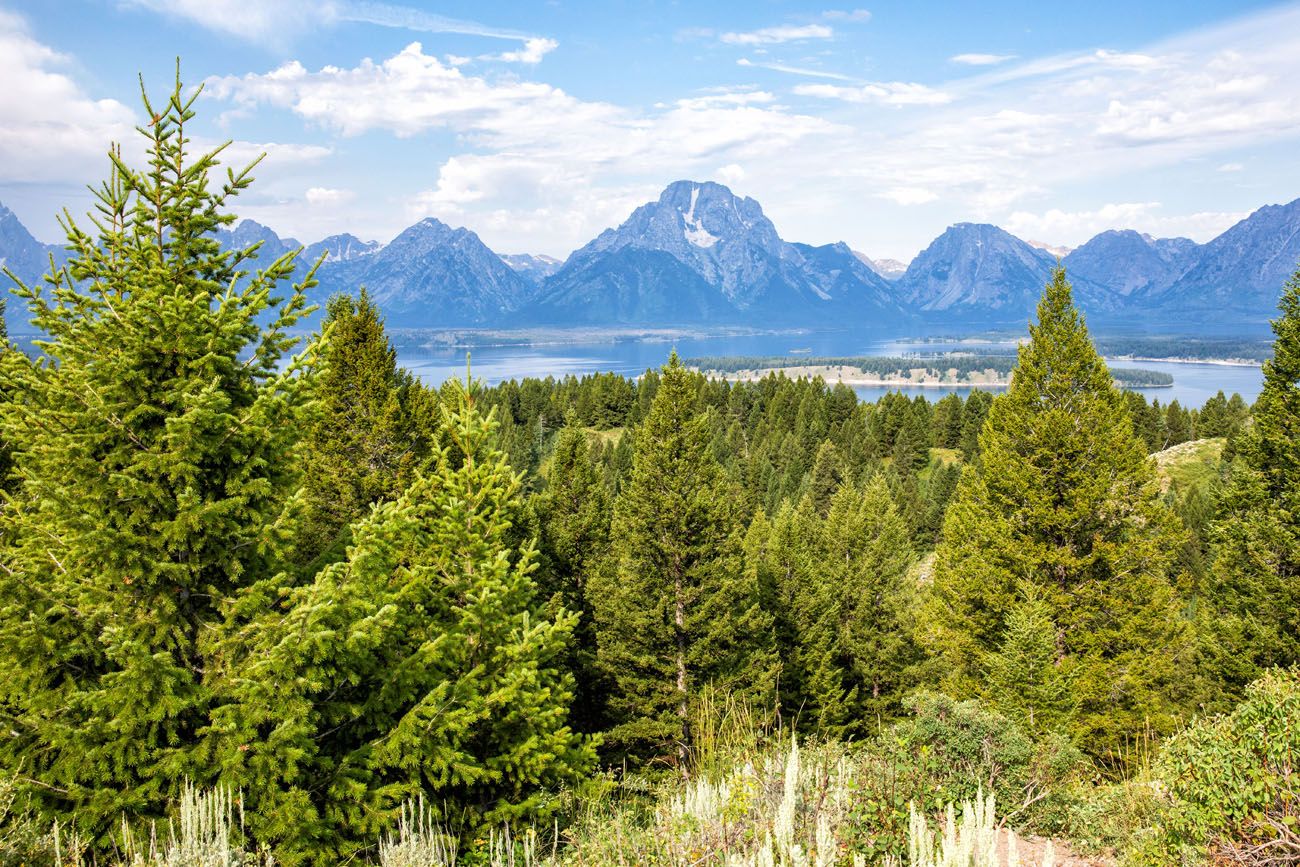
{"x":1032,"y":849}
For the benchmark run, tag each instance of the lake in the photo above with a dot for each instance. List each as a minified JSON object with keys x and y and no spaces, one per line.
{"x":503,"y":357}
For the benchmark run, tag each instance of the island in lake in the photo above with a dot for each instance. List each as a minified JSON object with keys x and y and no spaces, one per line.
{"x":980,"y":371}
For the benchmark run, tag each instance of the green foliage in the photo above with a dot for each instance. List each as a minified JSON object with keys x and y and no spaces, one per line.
{"x":955,"y":749}
{"x":153,"y":448}
{"x":423,"y":663}
{"x":1255,"y":589}
{"x":1026,"y":681}
{"x":677,"y":610}
{"x":1232,"y":779}
{"x":370,"y":431}
{"x":574,"y":516}
{"x":1062,"y":498}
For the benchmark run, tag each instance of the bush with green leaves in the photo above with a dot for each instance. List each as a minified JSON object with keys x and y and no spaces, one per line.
{"x":956,"y":749}
{"x":1234,"y":780}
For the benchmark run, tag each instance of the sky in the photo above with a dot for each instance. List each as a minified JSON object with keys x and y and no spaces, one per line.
{"x":538,"y":125}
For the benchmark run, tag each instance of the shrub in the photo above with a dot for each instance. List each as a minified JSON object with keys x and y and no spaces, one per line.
{"x":1232,"y":779}
{"x":956,"y":749}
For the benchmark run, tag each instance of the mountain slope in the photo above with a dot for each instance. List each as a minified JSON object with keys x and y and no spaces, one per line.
{"x":1243,"y":270}
{"x":701,"y":254}
{"x":975,"y":270}
{"x":1127,"y":264}
{"x":432,"y":275}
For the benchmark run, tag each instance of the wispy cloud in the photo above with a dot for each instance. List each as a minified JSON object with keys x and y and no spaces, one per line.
{"x":854,"y":15}
{"x":780,"y":33}
{"x":532,"y":52}
{"x":282,"y":21}
{"x":1075,"y":227}
{"x":884,"y":93}
{"x":793,"y":70}
{"x":408,"y":18}
{"x":981,"y":59}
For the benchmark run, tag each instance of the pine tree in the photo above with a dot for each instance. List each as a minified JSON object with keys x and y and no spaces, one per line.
{"x":836,"y":586}
{"x":1063,"y":498}
{"x":826,"y":477}
{"x":154,"y":456}
{"x":153,"y":449}
{"x":1256,"y":574}
{"x":1026,"y":680}
{"x":368,"y":437}
{"x":677,"y":612}
{"x":863,"y":558}
{"x":574,"y":513}
{"x":423,"y":665}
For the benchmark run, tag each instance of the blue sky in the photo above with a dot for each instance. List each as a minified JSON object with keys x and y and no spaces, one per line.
{"x":538,"y":125}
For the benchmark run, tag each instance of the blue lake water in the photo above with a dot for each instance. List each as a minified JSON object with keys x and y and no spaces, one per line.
{"x":561,"y":354}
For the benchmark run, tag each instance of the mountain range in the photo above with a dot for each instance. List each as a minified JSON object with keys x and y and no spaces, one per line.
{"x":700,"y":255}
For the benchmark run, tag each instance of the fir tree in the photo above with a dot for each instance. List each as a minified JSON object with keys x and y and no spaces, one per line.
{"x":423,"y":665}
{"x":153,"y":447}
{"x":861,"y":578}
{"x":1063,"y":498}
{"x":1026,"y":680}
{"x":677,"y":612}
{"x":1256,"y":574}
{"x":368,"y":437}
{"x":574,"y":513}
{"x":826,"y":477}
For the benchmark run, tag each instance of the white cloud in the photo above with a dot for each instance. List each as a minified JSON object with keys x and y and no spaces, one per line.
{"x":981,"y":59}
{"x":1075,"y":227}
{"x":997,"y":142}
{"x":793,"y":70}
{"x":532,"y":52}
{"x":327,"y":197}
{"x":883,"y":93}
{"x":730,"y":174}
{"x":566,"y":166}
{"x":780,"y":33}
{"x":281,"y":22}
{"x":909,"y":195}
{"x":52,"y":129}
{"x":1230,"y":167}
{"x":855,"y":15}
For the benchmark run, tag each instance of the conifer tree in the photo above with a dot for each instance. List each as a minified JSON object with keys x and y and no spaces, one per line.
{"x":153,"y":447}
{"x":423,"y":665}
{"x":826,"y":477}
{"x":574,"y":514}
{"x":861,"y":573}
{"x":677,"y":611}
{"x":369,"y":435}
{"x":836,"y":587}
{"x":1026,"y":680}
{"x":1063,"y":498}
{"x":1256,"y":574}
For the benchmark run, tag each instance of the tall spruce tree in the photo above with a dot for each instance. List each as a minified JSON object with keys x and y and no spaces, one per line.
{"x":862,"y":605}
{"x":574,"y":513}
{"x":153,"y":447}
{"x":1256,"y":572}
{"x":423,"y":665}
{"x":677,"y":612}
{"x":371,"y":431}
{"x":1063,"y":498}
{"x":1026,"y":680}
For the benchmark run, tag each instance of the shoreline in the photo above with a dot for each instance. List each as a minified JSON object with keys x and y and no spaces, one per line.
{"x":830,"y":376}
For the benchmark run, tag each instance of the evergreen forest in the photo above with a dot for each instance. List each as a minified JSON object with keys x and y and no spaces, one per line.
{"x":265,"y":597}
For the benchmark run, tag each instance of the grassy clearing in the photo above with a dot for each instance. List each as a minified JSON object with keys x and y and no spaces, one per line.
{"x":1190,"y":463}
{"x":611,"y":435}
